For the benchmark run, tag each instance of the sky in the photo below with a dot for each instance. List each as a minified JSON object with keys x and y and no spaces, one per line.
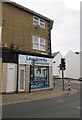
{"x":65,"y":34}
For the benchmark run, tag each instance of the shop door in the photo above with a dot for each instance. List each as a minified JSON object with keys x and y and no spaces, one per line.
{"x":22,"y":78}
{"x":10,"y":78}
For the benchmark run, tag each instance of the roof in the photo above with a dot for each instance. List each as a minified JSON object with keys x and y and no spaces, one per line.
{"x":28,"y":10}
{"x":54,"y":54}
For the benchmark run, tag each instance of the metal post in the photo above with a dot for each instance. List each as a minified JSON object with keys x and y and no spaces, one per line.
{"x":31,"y":74}
{"x":63,"y":78}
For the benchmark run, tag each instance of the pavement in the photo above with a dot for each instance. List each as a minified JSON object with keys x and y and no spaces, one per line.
{"x":37,"y":95}
{"x":22,"y":97}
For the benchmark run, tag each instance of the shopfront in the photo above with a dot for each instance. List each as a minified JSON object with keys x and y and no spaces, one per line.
{"x":40,"y":71}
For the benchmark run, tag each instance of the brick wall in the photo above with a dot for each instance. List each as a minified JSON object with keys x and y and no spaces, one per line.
{"x":19,"y":28}
{"x":4,"y":77}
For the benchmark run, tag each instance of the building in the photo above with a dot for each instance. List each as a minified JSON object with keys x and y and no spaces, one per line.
{"x":72,"y":60}
{"x":56,"y":63}
{"x":26,"y":49}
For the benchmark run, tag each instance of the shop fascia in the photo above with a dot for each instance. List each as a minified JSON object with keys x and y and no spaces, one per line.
{"x":26,"y":59}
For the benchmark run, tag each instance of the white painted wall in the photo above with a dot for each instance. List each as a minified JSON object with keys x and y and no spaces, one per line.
{"x":72,"y":65}
{"x":57,"y":59}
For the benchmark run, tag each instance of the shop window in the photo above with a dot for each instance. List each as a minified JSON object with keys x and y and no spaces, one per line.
{"x":41,"y":77}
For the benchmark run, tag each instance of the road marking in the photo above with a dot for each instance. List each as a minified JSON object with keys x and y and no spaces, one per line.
{"x":73,"y":91}
{"x":77,"y":107}
{"x":60,"y":101}
{"x":21,"y":101}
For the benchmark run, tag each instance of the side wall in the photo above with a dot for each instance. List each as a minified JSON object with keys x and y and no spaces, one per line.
{"x":72,"y":65}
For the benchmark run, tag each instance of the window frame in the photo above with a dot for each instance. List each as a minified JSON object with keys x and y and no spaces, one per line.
{"x":39,"y":44}
{"x":38,"y":22}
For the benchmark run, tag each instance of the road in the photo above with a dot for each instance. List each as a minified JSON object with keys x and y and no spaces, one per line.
{"x":67,"y":106}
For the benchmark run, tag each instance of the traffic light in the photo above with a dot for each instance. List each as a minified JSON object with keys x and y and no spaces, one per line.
{"x":63,"y":64}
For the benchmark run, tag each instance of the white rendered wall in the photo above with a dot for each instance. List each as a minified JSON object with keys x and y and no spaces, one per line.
{"x":72,"y":65}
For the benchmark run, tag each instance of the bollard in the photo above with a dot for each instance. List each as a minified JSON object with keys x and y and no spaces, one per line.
{"x":69,"y":88}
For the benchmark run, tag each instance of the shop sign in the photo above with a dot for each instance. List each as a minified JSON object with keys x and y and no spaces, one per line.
{"x":39,"y":59}
{"x":25,"y":59}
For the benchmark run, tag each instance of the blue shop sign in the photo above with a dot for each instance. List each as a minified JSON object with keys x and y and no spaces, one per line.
{"x":36,"y":59}
{"x":25,"y":59}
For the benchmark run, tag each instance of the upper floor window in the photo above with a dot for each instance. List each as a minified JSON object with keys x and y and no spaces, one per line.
{"x":38,"y":43}
{"x":38,"y":22}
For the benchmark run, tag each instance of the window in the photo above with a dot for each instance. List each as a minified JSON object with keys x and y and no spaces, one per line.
{"x":35,"y":21}
{"x":42,"y":44}
{"x":38,"y":43}
{"x":35,"y":43}
{"x":38,"y":22}
{"x":41,"y":77}
{"x":42,"y":23}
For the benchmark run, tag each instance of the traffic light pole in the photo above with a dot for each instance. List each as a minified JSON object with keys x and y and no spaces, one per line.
{"x":62,"y":67}
{"x":63,"y":78}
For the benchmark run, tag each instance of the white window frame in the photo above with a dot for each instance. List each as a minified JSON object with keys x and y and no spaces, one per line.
{"x":42,"y":44}
{"x":42,"y":23}
{"x":39,"y":43}
{"x":35,"y":20}
{"x":38,"y":22}
{"x":35,"y":42}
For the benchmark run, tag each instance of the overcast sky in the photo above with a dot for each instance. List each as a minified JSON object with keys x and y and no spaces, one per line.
{"x":66,"y":15}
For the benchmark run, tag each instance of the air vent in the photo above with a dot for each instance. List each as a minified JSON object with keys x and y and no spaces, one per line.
{"x":37,"y":26}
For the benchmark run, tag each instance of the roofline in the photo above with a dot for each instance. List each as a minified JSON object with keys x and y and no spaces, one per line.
{"x":31,"y":11}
